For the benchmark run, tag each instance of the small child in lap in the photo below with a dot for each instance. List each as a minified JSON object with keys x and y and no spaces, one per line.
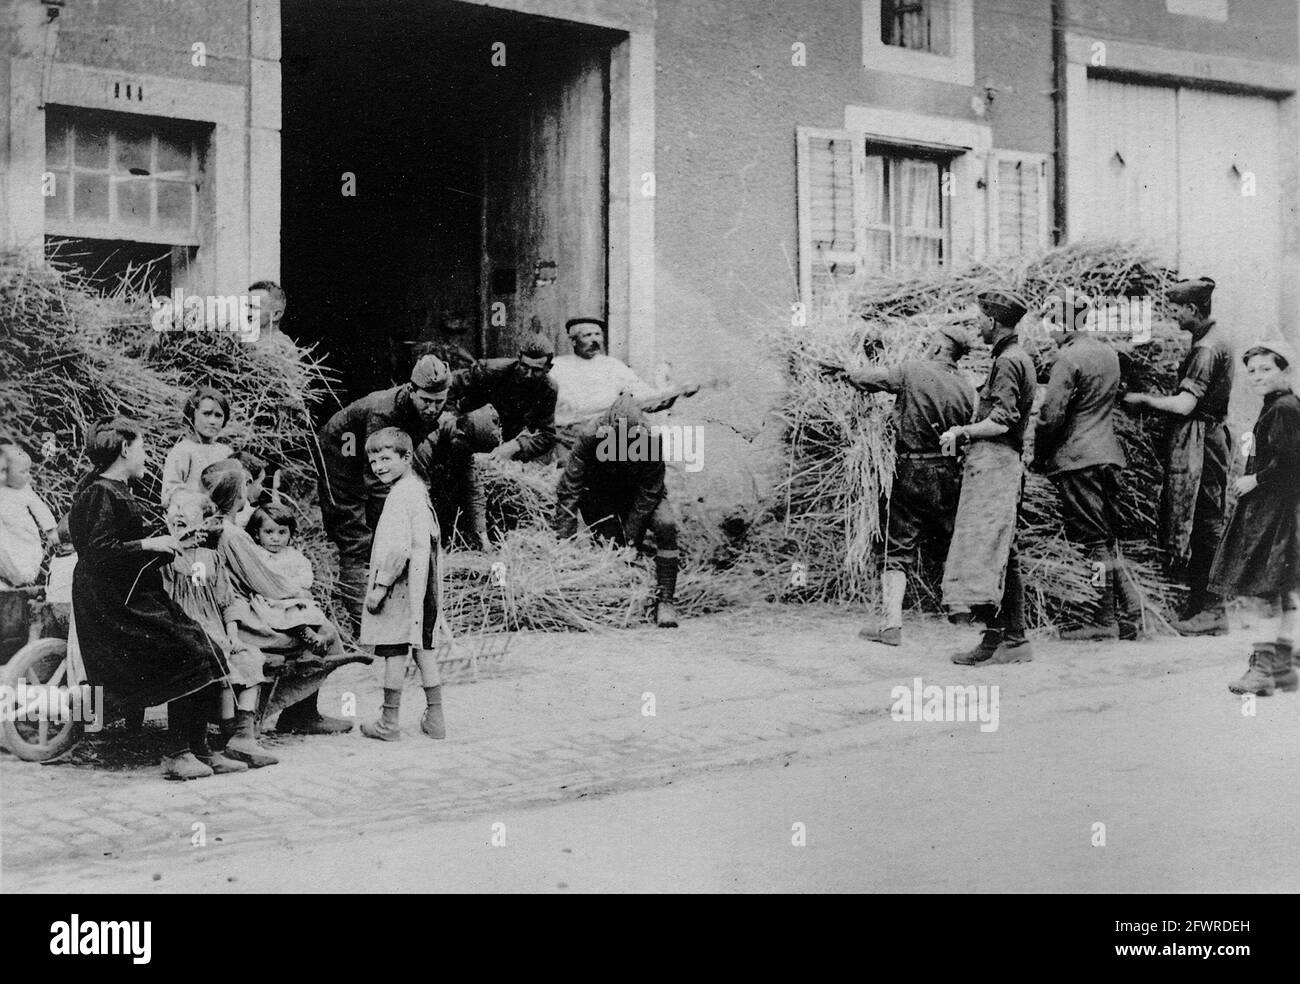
{"x":273,"y":527}
{"x":402,"y":596}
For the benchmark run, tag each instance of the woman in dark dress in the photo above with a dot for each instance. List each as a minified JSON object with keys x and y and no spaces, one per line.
{"x":1259,"y":554}
{"x":136,"y":642}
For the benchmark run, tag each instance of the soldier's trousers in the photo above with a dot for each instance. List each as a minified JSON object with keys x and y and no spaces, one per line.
{"x":344,"y":514}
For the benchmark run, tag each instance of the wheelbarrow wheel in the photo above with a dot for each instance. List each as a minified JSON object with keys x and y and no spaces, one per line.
{"x":43,"y":663}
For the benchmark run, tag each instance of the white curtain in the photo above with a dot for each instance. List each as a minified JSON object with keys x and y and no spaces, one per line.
{"x":921,"y":233}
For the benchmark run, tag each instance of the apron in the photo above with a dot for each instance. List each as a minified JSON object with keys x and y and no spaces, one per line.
{"x":991,"y":485}
{"x":1185,"y":459}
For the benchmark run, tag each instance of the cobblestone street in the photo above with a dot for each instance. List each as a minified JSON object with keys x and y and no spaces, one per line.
{"x":567,"y":718}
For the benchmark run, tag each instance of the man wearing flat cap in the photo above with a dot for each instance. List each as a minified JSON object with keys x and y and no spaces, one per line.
{"x":1076,"y":446}
{"x":351,"y":497}
{"x":982,"y":573}
{"x":931,"y":397}
{"x":523,"y":393}
{"x":589,"y":381}
{"x":1198,"y":450}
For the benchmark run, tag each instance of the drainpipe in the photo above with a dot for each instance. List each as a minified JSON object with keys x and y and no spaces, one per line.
{"x":1059,"y":157}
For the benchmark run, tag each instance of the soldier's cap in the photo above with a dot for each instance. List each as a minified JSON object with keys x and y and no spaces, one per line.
{"x":1196,"y":291}
{"x":1277,"y":346}
{"x":960,"y":337}
{"x":578,"y":322}
{"x":483,"y":427}
{"x":1003,"y":306}
{"x":430,"y":374}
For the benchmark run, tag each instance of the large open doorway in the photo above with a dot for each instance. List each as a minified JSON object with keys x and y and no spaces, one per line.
{"x":478,"y":142}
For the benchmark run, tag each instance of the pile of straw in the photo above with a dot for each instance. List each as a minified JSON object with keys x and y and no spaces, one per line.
{"x":839,"y":465}
{"x":69,"y":358}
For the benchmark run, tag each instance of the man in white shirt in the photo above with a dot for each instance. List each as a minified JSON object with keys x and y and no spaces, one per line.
{"x":589,"y":381}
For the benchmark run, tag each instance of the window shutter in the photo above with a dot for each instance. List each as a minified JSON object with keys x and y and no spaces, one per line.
{"x":832,"y":202}
{"x":1019,"y":204}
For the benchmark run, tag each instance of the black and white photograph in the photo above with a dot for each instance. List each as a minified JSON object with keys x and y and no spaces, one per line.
{"x":587,"y":447}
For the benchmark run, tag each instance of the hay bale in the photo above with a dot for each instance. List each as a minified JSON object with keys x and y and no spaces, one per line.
{"x":839,"y":464}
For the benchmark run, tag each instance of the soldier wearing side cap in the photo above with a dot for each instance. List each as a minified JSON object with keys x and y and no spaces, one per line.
{"x":982,"y":572}
{"x":1076,"y":446}
{"x":351,"y":497}
{"x":931,"y":396}
{"x":1198,"y":450}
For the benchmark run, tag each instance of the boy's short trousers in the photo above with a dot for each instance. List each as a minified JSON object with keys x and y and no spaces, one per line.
{"x":392,"y":651}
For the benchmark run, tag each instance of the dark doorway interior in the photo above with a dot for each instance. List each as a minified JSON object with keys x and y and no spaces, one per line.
{"x":480,"y":207}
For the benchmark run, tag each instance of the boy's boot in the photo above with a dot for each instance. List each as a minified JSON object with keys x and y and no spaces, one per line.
{"x":243,"y":743}
{"x":1258,"y":678}
{"x":386,"y":728}
{"x":1103,"y":625}
{"x":893,"y":585}
{"x":432,"y":724}
{"x":666,"y":577}
{"x":1284,"y":672}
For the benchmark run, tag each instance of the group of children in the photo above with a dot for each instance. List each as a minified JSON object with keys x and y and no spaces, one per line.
{"x":196,"y":618}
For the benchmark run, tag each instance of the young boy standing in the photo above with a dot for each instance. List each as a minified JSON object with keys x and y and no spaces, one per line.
{"x":402,"y":586}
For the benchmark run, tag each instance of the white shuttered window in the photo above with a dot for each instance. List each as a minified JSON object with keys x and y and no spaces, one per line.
{"x":866,"y":210}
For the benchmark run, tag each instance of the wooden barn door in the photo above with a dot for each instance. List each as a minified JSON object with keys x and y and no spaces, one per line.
{"x":545,"y":206}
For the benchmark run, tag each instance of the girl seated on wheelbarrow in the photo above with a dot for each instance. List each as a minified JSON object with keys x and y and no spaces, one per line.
{"x":277,"y":619}
{"x":136,"y":642}
{"x":198,"y":581}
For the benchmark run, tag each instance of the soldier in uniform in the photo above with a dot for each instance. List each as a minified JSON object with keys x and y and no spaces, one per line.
{"x":1197,"y":454}
{"x":614,"y":480}
{"x":932,"y":396}
{"x":982,"y":573}
{"x":1076,"y":447}
{"x":351,"y":497}
{"x":523,"y":393}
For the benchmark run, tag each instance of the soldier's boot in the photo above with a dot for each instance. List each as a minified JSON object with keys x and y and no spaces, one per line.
{"x":893,"y":585}
{"x":665,"y":615}
{"x":1128,"y":599}
{"x":1211,"y":621}
{"x":1258,"y":678}
{"x":1103,"y":625}
{"x":386,"y":728}
{"x":243,"y":745}
{"x":1284,"y":671}
{"x":983,"y":652}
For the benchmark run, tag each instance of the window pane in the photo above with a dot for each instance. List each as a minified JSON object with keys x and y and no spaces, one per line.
{"x":919,"y":252}
{"x":920,"y":194}
{"x":173,"y":156}
{"x":174,"y":205}
{"x":56,"y":144}
{"x":133,"y":201}
{"x":90,"y":200}
{"x":877,"y":247}
{"x":134,"y":148}
{"x":56,"y":205}
{"x":90,"y":146}
{"x":877,"y":204}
